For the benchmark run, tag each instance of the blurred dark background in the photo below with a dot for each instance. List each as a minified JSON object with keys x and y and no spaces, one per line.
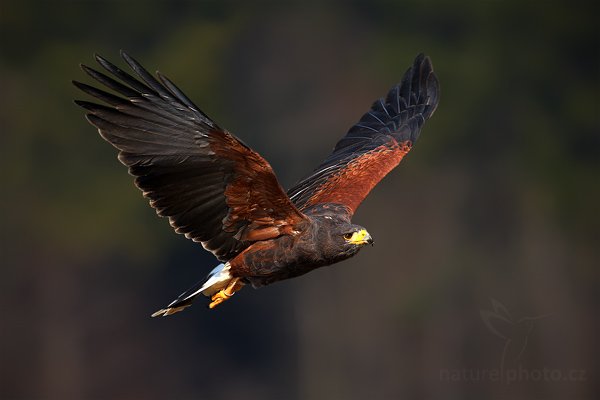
{"x":486,"y":255}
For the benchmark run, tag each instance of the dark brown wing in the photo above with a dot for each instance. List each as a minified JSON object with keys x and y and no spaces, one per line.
{"x":212,"y":187}
{"x":375,"y":145}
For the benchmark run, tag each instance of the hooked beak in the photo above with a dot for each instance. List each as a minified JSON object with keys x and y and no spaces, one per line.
{"x":361,"y":237}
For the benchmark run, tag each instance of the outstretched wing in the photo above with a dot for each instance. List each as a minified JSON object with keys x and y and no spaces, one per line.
{"x":375,"y":145}
{"x":212,"y":187}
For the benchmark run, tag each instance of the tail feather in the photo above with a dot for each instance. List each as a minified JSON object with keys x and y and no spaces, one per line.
{"x":217,"y":279}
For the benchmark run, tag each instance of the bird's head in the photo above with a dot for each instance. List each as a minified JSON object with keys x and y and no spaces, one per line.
{"x":351,"y":238}
{"x":338,"y":238}
{"x":357,"y":236}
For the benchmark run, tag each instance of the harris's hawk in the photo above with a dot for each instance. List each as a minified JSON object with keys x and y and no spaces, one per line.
{"x":217,"y":191}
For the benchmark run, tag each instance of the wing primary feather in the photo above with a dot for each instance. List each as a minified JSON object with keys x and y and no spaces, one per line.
{"x":110,"y":82}
{"x":170,"y":112}
{"x":109,"y":98}
{"x":124,"y":76}
{"x":185,"y":100}
{"x":145,"y":75}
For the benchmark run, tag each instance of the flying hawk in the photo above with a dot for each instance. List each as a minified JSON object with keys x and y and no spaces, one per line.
{"x":217,"y":191}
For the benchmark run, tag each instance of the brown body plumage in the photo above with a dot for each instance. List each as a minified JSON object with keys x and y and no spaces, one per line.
{"x":317,"y":243}
{"x":219,"y":192}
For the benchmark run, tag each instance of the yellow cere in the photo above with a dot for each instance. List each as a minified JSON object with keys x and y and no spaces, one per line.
{"x":360,"y":237}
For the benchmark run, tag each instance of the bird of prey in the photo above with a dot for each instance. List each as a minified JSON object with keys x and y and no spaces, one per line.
{"x":216,"y":190}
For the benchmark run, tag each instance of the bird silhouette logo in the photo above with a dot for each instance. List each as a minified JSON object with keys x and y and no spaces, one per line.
{"x":514,"y":332}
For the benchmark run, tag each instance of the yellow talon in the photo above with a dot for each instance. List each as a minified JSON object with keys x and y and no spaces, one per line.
{"x":224,"y":294}
{"x":215,"y":302}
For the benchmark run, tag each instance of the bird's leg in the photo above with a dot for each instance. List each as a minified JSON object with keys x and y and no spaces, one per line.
{"x":224,"y":294}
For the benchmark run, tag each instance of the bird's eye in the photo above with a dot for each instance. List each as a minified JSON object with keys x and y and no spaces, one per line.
{"x":348,"y":236}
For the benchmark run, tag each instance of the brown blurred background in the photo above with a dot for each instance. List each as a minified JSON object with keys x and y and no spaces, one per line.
{"x":486,"y":255}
